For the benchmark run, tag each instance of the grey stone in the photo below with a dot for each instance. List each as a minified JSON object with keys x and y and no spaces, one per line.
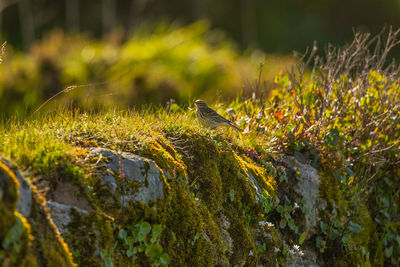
{"x":61,"y":214}
{"x":256,"y":186}
{"x":308,"y":188}
{"x":135,"y":168}
{"x":309,"y":259}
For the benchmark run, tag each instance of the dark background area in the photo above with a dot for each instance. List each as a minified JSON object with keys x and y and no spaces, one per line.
{"x":276,"y":26}
{"x":124,"y":53}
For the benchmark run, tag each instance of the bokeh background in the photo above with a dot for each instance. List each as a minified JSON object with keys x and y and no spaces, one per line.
{"x":124,"y":53}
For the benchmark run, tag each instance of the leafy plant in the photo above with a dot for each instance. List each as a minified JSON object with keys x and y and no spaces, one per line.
{"x":145,"y":238}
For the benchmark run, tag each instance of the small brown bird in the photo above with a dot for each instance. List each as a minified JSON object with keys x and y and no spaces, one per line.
{"x":210,"y":118}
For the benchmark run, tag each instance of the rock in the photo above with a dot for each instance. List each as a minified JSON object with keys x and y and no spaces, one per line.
{"x":24,"y":202}
{"x":61,"y":214}
{"x":65,"y":193}
{"x":306,"y":261}
{"x":308,"y":188}
{"x":309,"y":259}
{"x":256,"y":186}
{"x":134,"y":168}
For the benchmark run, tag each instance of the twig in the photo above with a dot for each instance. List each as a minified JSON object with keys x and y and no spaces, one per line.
{"x":380,"y":150}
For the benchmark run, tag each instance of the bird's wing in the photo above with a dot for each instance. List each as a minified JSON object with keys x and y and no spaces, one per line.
{"x":216,"y":116}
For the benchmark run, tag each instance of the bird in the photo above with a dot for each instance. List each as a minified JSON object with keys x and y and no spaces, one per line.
{"x":210,"y":118}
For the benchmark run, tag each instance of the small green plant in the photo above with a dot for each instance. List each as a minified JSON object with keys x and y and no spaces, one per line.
{"x":267,"y":202}
{"x":286,"y":212}
{"x":195,"y":238}
{"x":145,"y":238}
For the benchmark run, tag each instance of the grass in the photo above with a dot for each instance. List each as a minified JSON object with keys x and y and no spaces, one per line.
{"x":340,"y":113}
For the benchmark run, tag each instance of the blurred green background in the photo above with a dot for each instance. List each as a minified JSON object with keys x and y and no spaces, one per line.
{"x":134,"y":52}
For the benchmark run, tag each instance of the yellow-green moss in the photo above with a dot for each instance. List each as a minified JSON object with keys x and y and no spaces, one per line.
{"x":165,"y":157}
{"x":266,"y":181}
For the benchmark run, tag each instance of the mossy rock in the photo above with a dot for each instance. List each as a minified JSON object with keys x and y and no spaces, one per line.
{"x":199,"y":190}
{"x":32,"y":241}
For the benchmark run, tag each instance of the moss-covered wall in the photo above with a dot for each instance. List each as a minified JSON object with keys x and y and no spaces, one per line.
{"x":222,"y":206}
{"x":207,"y":182}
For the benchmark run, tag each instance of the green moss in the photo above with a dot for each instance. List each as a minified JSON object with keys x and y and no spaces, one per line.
{"x":216,"y":172}
{"x":345,"y":209}
{"x":187,"y":223}
{"x":243,"y":243}
{"x":90,"y":235}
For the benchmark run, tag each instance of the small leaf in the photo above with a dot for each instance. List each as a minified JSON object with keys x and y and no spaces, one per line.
{"x":355,"y":228}
{"x":154,"y":251}
{"x":350,"y":172}
{"x":122,"y":234}
{"x":320,"y":243}
{"x":333,"y":234}
{"x":279,"y":115}
{"x":388,"y":252}
{"x":232,"y":195}
{"x":157,"y":229}
{"x":324,"y":227}
{"x":300,"y":130}
{"x":345,"y":238}
{"x":385,"y":201}
{"x":302,"y":238}
{"x":145,"y":228}
{"x":398,"y":239}
{"x":279,"y":209}
{"x":129,"y":253}
{"x":363,"y":251}
{"x":282,"y":224}
{"x":130,"y":240}
{"x":140,"y":237}
{"x":336,"y":223}
{"x":141,"y":248}
{"x":164,"y":259}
